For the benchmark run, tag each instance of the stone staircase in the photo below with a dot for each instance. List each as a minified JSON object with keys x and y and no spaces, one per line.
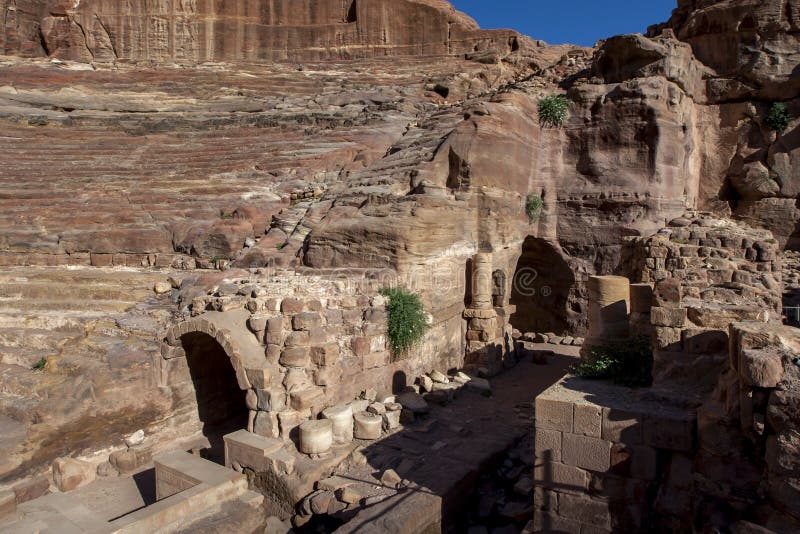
{"x":43,"y":309}
{"x":68,"y":337}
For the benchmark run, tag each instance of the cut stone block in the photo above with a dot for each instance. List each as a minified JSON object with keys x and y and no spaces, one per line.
{"x":587,"y":420}
{"x":587,"y":453}
{"x":672,"y":317}
{"x":560,"y":476}
{"x":295,"y":357}
{"x":621,"y":426}
{"x":553,"y":414}
{"x":306,"y":398}
{"x":266,"y":424}
{"x":306,"y":321}
{"x":585,"y":510}
{"x":761,"y":368}
{"x":547,"y":444}
{"x":70,"y":474}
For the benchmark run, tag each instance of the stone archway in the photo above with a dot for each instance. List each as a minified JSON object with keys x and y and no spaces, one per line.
{"x":541,"y":288}
{"x":215,"y":366}
{"x":221,"y":402}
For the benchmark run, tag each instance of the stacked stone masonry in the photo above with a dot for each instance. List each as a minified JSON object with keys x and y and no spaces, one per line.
{"x":605,"y":456}
{"x":707,"y":274}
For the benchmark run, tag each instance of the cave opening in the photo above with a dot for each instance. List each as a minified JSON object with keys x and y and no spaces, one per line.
{"x":221,"y":404}
{"x":541,"y":289}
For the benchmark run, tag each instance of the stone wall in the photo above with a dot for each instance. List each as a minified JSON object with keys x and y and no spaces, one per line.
{"x":713,"y":444}
{"x":101,"y":30}
{"x":708,"y":273}
{"x":314,"y":342}
{"x":609,"y":459}
{"x":749,"y":446}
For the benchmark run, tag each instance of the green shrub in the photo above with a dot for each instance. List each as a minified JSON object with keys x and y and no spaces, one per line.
{"x":553,"y":110}
{"x":407,"y":320}
{"x":533,"y":206}
{"x":627,"y":363}
{"x":39,"y":366}
{"x":778,"y":118}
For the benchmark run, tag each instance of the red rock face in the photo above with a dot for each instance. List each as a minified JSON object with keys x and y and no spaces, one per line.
{"x":754,"y":41}
{"x":104,"y":30}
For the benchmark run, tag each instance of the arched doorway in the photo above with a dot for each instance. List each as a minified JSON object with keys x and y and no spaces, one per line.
{"x":221,"y":404}
{"x":541,"y":288}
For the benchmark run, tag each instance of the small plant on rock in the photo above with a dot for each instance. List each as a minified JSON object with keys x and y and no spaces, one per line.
{"x":553,"y":110}
{"x":778,"y":118}
{"x":627,"y":363}
{"x":40,"y":365}
{"x":533,"y":206}
{"x":407,"y":319}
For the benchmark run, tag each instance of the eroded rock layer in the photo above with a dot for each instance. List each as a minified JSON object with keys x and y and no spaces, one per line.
{"x":106,"y":30}
{"x":340,"y":138}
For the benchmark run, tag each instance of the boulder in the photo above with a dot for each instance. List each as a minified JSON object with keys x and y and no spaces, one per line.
{"x":70,"y":474}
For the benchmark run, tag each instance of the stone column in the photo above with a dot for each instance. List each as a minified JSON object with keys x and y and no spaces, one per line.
{"x":609,"y":308}
{"x":482,"y":281}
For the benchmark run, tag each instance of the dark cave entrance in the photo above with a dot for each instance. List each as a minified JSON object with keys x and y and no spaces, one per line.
{"x":221,"y":405}
{"x":541,"y":289}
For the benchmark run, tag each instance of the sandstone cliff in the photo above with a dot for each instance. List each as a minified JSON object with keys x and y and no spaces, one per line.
{"x":107,"y":30}
{"x":385,"y":134}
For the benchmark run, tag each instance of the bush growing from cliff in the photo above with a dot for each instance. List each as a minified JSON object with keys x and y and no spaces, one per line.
{"x":778,"y":118}
{"x":627,"y":363}
{"x":533,"y":206}
{"x":407,"y":320}
{"x":553,"y":110}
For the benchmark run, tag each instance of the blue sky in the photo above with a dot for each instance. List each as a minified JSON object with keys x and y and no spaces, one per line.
{"x":580,"y":22}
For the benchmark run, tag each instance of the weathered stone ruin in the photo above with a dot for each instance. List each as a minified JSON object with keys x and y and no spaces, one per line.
{"x":203,"y":204}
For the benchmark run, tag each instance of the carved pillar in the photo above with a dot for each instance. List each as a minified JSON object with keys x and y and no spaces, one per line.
{"x":609,"y":308}
{"x":484,"y":347}
{"x":482,"y":281}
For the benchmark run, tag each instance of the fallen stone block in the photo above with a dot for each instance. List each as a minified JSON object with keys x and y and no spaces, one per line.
{"x":413,"y":402}
{"x":367,"y":426}
{"x":761,"y":368}
{"x":480,"y":385}
{"x":70,"y":474}
{"x":129,"y":460}
{"x":341,"y":417}
{"x":438,"y":377}
{"x":391,"y":420}
{"x":316,"y":437}
{"x":391,"y":479}
{"x":349,"y":495}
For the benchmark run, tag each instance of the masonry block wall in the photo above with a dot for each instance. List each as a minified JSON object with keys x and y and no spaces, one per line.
{"x":319,"y":342}
{"x":707,"y":274}
{"x":608,"y":459}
